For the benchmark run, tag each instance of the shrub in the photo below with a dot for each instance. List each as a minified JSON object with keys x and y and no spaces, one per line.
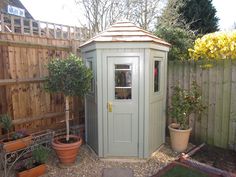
{"x":40,"y":154}
{"x":185,"y":102}
{"x":6,"y":122}
{"x":215,"y":46}
{"x":180,"y":39}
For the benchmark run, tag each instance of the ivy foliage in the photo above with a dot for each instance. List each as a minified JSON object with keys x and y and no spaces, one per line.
{"x":68,"y":76}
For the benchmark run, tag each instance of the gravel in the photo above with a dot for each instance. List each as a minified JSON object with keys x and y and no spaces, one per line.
{"x":89,"y":165}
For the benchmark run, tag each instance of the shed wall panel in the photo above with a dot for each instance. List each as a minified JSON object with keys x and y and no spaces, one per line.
{"x":157,"y":103}
{"x":91,"y":117}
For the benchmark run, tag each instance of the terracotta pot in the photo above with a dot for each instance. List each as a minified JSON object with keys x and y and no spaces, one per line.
{"x":179,"y":138}
{"x":33,"y":172}
{"x":67,"y":152}
{"x":17,"y":144}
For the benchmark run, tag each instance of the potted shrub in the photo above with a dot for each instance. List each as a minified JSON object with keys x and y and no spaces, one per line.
{"x":183,"y":103}
{"x":72,"y":78}
{"x":36,"y":166}
{"x":16,"y":140}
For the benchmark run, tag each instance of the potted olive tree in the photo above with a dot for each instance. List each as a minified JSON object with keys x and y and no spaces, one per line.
{"x":183,"y":104}
{"x":72,"y":78}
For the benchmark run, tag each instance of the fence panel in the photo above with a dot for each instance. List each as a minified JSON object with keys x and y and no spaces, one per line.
{"x":217,"y":124}
{"x":23,"y":62}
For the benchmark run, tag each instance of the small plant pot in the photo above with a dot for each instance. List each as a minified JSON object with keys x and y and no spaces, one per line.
{"x":179,"y":138}
{"x":14,"y":145}
{"x":33,"y":172}
{"x":67,"y":152}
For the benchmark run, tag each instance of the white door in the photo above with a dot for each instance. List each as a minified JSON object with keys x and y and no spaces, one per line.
{"x":122,"y":106}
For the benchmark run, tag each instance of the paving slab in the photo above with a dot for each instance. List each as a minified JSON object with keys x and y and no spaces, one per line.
{"x":117,"y":172}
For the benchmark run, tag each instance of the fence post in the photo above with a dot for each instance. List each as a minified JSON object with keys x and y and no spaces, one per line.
{"x":2,"y":23}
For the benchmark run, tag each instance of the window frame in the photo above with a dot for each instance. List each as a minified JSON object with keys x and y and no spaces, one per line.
{"x":88,"y":62}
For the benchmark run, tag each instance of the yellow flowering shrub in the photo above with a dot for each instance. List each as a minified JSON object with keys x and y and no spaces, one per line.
{"x":215,"y":46}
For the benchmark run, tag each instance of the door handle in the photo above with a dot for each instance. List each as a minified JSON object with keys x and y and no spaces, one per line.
{"x":109,"y":106}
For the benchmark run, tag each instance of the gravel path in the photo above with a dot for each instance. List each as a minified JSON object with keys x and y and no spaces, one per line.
{"x":89,"y":165}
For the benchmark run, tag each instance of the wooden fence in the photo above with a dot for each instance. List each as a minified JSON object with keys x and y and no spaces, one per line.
{"x":23,"y":60}
{"x":217,"y":125}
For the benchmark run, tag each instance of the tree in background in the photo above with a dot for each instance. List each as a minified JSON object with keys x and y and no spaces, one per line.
{"x":234,"y":25}
{"x":171,"y":17}
{"x":180,"y":39}
{"x":144,"y":12}
{"x":200,"y":15}
{"x":102,"y":13}
{"x":173,"y":28}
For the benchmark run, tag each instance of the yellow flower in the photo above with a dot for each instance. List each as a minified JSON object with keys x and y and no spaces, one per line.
{"x":218,"y":45}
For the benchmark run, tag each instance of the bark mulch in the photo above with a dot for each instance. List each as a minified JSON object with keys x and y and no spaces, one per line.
{"x":217,"y":157}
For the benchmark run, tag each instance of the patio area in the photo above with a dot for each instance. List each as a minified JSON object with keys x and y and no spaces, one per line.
{"x":89,"y":165}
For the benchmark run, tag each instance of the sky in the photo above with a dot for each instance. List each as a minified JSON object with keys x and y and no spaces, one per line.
{"x":67,"y":13}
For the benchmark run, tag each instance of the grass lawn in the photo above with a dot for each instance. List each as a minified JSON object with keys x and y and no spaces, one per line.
{"x":180,"y":171}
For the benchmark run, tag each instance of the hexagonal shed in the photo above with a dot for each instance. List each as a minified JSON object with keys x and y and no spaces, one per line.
{"x":125,"y":110}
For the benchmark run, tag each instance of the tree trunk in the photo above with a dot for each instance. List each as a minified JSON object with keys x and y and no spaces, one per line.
{"x":67,"y":118}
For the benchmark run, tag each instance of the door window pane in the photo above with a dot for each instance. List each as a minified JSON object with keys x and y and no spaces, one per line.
{"x":156,"y":76}
{"x":123,"y":82}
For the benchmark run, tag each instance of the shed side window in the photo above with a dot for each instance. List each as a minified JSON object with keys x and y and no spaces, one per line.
{"x":156,"y":76}
{"x":90,"y":66}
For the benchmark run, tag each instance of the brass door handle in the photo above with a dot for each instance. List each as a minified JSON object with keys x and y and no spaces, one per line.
{"x":109,"y":106}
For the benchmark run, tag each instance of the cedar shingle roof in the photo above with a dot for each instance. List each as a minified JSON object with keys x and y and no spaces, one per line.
{"x":126,"y":32}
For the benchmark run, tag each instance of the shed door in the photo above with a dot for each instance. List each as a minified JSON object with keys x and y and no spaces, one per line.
{"x":122,"y":106}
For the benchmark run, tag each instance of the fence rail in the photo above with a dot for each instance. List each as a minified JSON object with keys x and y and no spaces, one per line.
{"x":26,"y":26}
{"x":217,"y":125}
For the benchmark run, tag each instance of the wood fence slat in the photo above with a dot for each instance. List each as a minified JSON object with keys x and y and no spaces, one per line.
{"x":169,"y":88}
{"x":198,"y":119}
{"x":211,"y":105}
{"x":219,"y":102}
{"x":192,"y":77}
{"x":22,"y":26}
{"x":180,"y":74}
{"x":205,"y":100}
{"x":31,"y":28}
{"x":226,"y":103}
{"x":12,"y":24}
{"x":39,"y":29}
{"x":186,"y":74}
{"x":2,"y":23}
{"x":232,"y":123}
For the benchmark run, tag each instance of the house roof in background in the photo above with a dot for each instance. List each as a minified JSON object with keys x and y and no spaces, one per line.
{"x":126,"y":31}
{"x":16,"y":3}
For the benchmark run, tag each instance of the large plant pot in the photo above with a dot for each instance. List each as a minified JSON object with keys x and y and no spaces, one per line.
{"x":179,"y":138}
{"x":14,"y":145}
{"x":33,"y":172}
{"x":67,"y":152}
